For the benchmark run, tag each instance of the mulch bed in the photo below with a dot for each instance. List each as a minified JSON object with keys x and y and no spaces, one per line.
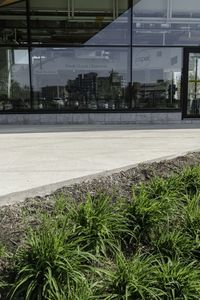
{"x":15,"y":219}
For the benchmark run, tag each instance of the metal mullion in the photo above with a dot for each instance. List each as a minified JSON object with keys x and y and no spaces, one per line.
{"x":158,"y":46}
{"x":117,"y":8}
{"x":130,"y":6}
{"x":169,"y":9}
{"x":72,"y":8}
{"x":114,"y":9}
{"x":79,"y":46}
{"x":171,"y":20}
{"x":68,"y":9}
{"x":29,"y":50}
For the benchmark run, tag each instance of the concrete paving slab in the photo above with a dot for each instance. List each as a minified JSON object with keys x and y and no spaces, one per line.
{"x":41,"y":158}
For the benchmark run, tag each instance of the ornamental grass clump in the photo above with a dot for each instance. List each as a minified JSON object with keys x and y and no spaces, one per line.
{"x":133,"y":278}
{"x":100,"y":224}
{"x":191,"y":213}
{"x":49,"y":264}
{"x":188,"y":181}
{"x":178,"y":280}
{"x":171,"y":243}
{"x":160,"y":188}
{"x":145,"y":214}
{"x":191,"y":224}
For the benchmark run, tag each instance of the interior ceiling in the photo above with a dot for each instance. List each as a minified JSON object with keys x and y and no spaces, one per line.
{"x":8,"y":2}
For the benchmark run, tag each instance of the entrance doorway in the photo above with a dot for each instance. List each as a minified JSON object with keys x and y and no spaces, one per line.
{"x":191,"y":83}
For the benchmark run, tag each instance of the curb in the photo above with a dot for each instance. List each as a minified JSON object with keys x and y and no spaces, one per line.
{"x":45,"y":190}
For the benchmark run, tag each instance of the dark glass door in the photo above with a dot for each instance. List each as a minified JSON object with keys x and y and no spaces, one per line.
{"x":191,"y":83}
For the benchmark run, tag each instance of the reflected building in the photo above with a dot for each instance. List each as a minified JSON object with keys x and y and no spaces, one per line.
{"x":120,"y":55}
{"x":91,"y":91}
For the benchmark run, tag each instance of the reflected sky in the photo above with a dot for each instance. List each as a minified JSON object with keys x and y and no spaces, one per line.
{"x":117,"y":32}
{"x":159,"y":22}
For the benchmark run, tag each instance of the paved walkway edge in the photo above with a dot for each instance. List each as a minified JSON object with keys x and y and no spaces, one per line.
{"x":13,"y":198}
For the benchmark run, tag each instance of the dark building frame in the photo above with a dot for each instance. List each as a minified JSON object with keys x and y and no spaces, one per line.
{"x":185,"y":50}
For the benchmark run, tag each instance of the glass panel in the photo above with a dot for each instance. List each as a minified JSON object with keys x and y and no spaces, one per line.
{"x":161,"y":22}
{"x":186,"y":22}
{"x":153,"y":8}
{"x":156,"y":78}
{"x":80,"y":22}
{"x":80,"y":78}
{"x":117,"y":32}
{"x":49,"y":5}
{"x":148,"y":17}
{"x":183,"y":35}
{"x":14,"y":80}
{"x":13,"y":25}
{"x":186,"y":9}
{"x":193,"y":107}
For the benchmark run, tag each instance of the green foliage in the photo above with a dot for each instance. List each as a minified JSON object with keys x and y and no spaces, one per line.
{"x":2,"y":250}
{"x":100,"y":223}
{"x":49,"y":264}
{"x":133,"y":278}
{"x":192,"y":215}
{"x":178,"y":280}
{"x":171,"y":243}
{"x":106,"y":248}
{"x":160,"y":188}
{"x":188,"y":182}
{"x":145,"y":213}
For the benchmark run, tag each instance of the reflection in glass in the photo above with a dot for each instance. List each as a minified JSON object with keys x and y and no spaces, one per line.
{"x":146,"y":28}
{"x":153,"y":8}
{"x":13,"y":25}
{"x":77,"y":22}
{"x":14,"y":80}
{"x":193,"y":104}
{"x":156,"y":78}
{"x":117,"y":32}
{"x":161,"y":22}
{"x":80,"y":78}
{"x":186,"y":9}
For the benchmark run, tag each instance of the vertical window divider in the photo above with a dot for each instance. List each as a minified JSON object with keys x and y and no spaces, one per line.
{"x":69,"y":9}
{"x":130,"y":4}
{"x":72,"y":8}
{"x":29,"y":51}
{"x":114,"y":9}
{"x":117,"y":8}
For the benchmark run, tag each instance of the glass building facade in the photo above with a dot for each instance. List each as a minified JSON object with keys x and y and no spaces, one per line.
{"x":108,"y":55}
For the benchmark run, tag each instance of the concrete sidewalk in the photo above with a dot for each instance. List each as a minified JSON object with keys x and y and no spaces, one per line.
{"x":32,"y":157}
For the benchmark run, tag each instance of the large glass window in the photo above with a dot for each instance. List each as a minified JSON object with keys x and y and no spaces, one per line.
{"x":13,"y":24}
{"x":80,"y":78}
{"x":79,"y":22}
{"x":156,"y":78}
{"x":162,"y":22}
{"x":186,"y":23}
{"x":14,"y":80}
{"x":147,"y":20}
{"x":186,"y":9}
{"x":153,"y":8}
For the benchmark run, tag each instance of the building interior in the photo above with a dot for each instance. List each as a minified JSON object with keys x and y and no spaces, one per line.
{"x":118,"y":55}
